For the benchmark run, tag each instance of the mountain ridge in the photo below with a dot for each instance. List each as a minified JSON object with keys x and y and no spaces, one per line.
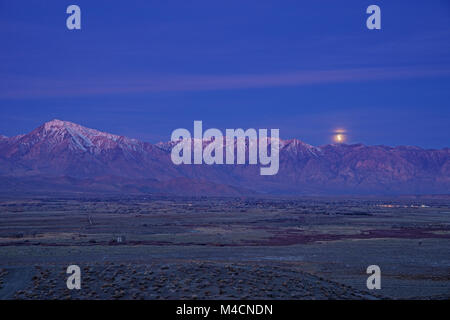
{"x":62,"y":148}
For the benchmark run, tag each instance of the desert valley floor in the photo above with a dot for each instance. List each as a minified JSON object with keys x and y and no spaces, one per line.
{"x":224,"y":248}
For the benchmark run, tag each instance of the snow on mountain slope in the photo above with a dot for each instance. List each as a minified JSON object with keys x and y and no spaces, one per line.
{"x":65,"y":149}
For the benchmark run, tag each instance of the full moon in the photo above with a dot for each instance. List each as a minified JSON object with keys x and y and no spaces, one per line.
{"x":339,"y":136}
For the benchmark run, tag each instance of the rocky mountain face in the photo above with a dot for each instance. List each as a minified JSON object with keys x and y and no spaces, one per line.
{"x":61,"y":155}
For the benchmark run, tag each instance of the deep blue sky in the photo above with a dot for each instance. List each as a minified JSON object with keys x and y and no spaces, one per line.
{"x":145,"y":68}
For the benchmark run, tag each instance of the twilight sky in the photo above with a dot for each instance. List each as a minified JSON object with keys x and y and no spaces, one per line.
{"x":145,"y":68}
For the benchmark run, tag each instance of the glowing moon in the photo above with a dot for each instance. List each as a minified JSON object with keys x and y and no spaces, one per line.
{"x":339,"y":136}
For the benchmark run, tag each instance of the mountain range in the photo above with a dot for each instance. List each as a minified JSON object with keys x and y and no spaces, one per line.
{"x":63,"y":156}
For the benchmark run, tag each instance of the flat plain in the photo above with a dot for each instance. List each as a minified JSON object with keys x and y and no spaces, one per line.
{"x":156,"y":247}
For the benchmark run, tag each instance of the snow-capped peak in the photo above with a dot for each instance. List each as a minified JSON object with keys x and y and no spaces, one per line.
{"x":73,"y":128}
{"x":82,"y":138}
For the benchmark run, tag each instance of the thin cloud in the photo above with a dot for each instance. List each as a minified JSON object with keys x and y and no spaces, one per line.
{"x":26,"y":88}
